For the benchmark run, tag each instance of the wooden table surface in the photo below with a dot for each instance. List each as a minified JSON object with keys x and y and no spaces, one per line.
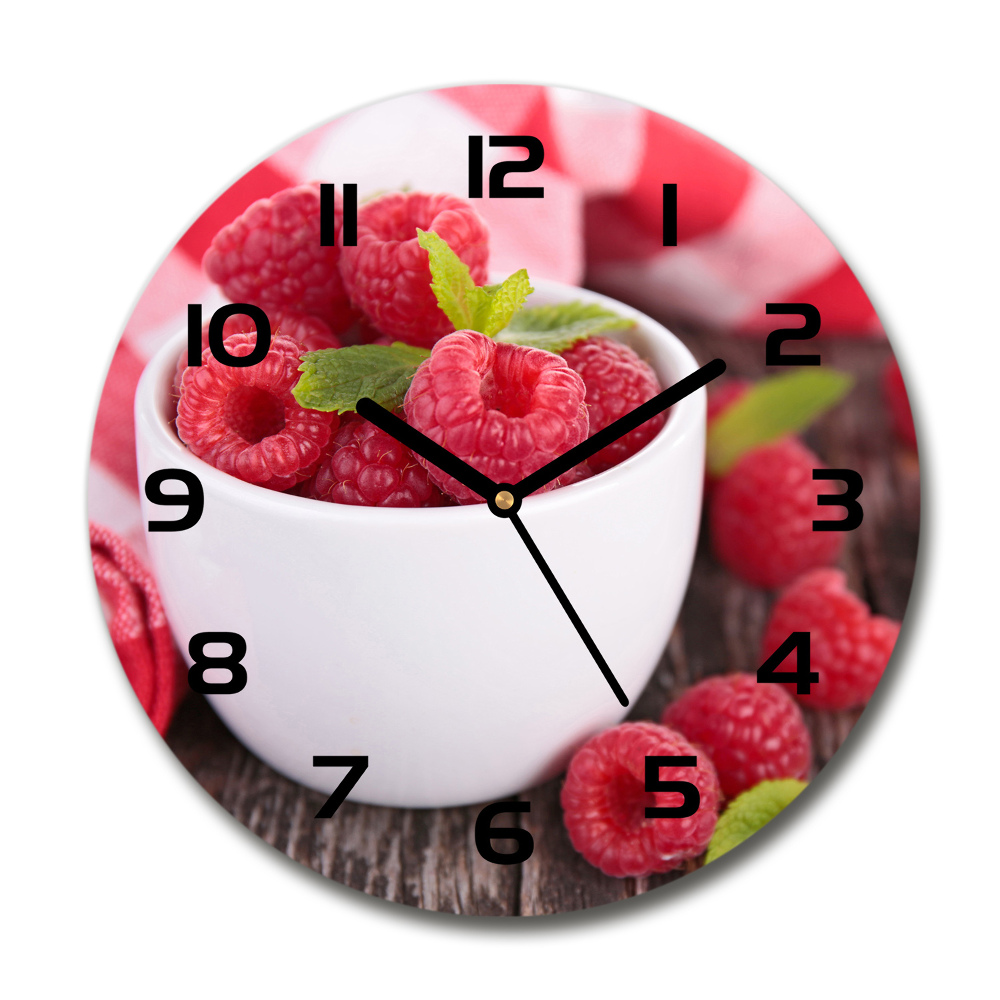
{"x":427,"y":857}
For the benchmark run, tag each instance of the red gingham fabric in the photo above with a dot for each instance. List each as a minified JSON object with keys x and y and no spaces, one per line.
{"x":138,"y":626}
{"x":741,"y":241}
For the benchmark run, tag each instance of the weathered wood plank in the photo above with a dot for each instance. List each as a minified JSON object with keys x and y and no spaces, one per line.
{"x":556,"y":879}
{"x":421,"y":857}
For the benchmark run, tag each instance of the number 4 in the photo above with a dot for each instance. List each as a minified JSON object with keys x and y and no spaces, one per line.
{"x":801,"y":676}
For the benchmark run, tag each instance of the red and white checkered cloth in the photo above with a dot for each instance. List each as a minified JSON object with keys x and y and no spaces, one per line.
{"x":741,"y":241}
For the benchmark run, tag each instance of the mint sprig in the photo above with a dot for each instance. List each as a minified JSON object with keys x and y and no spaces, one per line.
{"x":484,"y":308}
{"x":557,"y":328}
{"x":337,"y":377}
{"x":496,"y":310}
{"x":750,"y":811}
{"x":771,"y":409}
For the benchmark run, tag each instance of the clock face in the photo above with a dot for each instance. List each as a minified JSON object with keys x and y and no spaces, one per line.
{"x":504,"y":500}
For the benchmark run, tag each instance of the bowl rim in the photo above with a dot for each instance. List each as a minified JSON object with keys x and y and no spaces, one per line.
{"x":685,"y":417}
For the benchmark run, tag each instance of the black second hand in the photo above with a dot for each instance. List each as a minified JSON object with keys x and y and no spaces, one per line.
{"x":568,"y":608}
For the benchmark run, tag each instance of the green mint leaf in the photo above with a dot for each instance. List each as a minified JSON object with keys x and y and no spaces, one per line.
{"x":750,"y":811}
{"x":557,"y":328}
{"x":771,"y":409}
{"x":486,"y":308}
{"x":337,"y":377}
{"x":502,"y":303}
{"x":458,"y":296}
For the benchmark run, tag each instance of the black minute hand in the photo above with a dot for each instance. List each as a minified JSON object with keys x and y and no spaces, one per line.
{"x":426,"y":448}
{"x":619,"y":428}
{"x":569,"y":609}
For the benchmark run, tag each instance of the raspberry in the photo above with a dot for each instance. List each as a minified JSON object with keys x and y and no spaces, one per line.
{"x":309,"y":331}
{"x":604,"y":800}
{"x":504,"y":409}
{"x":576,"y":475}
{"x":899,"y":404}
{"x":849,"y":646}
{"x":367,"y":334}
{"x":366,"y":467}
{"x":752,"y":731}
{"x":245,"y":421}
{"x":761,"y":514}
{"x":387,"y":275}
{"x":617,"y":381}
{"x":271,"y":256}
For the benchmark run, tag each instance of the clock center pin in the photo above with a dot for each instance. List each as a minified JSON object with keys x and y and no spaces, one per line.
{"x":504,"y":500}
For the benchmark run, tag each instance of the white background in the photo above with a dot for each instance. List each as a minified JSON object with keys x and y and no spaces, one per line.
{"x":122,"y":878}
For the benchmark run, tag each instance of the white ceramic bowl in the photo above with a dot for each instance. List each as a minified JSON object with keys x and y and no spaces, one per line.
{"x":428,"y":640}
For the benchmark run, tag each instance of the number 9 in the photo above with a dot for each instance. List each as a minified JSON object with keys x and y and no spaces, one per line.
{"x":194,"y":499}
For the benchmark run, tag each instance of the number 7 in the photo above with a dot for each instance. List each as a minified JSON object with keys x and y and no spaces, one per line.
{"x":357,"y":765}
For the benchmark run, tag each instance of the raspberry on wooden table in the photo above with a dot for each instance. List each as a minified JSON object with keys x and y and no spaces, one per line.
{"x":604,"y":801}
{"x":245,"y":421}
{"x":761,"y":515}
{"x":849,"y":646}
{"x":387,"y":275}
{"x":505,"y":410}
{"x":617,"y":381}
{"x":751,"y":731}
{"x":366,"y":467}
{"x":271,"y":256}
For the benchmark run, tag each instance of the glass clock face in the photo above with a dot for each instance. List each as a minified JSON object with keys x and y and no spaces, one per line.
{"x":504,"y":500}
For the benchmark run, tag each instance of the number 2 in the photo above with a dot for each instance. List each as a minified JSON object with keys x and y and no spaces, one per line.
{"x":808,"y":330}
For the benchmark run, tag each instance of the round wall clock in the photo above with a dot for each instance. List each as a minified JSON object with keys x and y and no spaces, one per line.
{"x":504,"y":500}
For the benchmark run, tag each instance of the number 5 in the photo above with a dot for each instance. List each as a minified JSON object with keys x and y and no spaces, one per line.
{"x":692,"y":797}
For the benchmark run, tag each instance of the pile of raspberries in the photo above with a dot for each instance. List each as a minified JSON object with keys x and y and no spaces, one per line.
{"x":505,"y":409}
